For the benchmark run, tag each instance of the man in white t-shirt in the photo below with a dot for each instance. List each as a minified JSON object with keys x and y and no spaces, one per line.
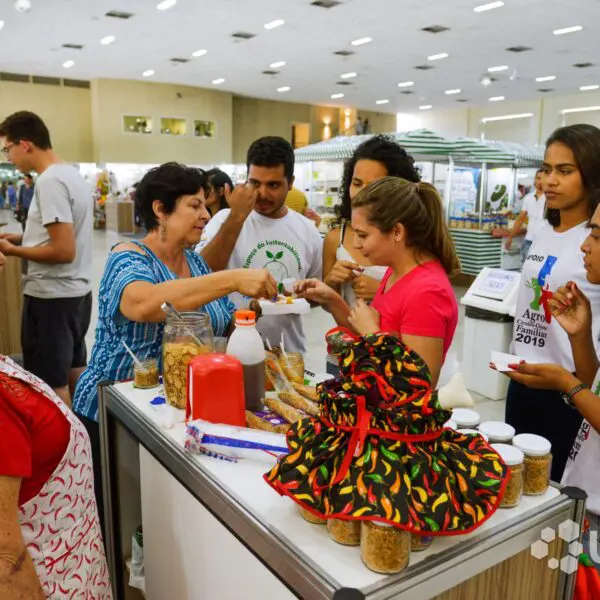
{"x":57,"y":244}
{"x":533,"y":211}
{"x":259,"y":231}
{"x":572,"y":310}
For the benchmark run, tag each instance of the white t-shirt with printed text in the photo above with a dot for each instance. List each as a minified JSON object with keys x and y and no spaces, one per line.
{"x":554,"y":259}
{"x":583,"y":465}
{"x":290,"y":247}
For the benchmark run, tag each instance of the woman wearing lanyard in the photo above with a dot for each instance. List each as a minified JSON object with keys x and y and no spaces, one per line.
{"x":573,"y":312}
{"x":571,"y":172}
{"x":401,"y":225}
{"x":345,"y":268}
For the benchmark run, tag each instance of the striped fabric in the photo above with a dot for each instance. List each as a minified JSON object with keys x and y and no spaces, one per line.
{"x":109,"y":360}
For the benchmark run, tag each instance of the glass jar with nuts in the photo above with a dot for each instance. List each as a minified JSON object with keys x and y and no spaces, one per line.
{"x":537,"y":463}
{"x":384,"y":548}
{"x":513,"y":458}
{"x":344,"y":532}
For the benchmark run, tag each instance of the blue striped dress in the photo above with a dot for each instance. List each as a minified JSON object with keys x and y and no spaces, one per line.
{"x":109,"y":360}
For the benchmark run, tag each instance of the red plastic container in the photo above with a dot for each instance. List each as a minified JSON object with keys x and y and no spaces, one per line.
{"x":216,"y":390}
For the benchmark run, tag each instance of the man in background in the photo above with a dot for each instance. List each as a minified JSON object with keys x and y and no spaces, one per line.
{"x":25,"y":198}
{"x":57,"y":243}
{"x":296,"y":200}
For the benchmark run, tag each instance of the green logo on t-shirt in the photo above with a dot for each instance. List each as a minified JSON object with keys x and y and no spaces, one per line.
{"x":276,"y":267}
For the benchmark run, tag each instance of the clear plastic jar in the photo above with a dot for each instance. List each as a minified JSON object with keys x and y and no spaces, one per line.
{"x":145,"y":375}
{"x":384,"y":548}
{"x":537,"y":463}
{"x":513,"y":458}
{"x":465,"y":418}
{"x":310,"y":517}
{"x":420,"y":542}
{"x":182,"y":341}
{"x":344,"y":532}
{"x":498,"y":432}
{"x":294,"y":367}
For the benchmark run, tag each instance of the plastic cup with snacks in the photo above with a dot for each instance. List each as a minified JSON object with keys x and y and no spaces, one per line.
{"x":288,"y":285}
{"x":145,"y":374}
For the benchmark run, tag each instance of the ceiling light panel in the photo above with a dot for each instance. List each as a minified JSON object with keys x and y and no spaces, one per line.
{"x":198,"y":53}
{"x":489,"y":6}
{"x":362,"y":41}
{"x":545,"y":78}
{"x":506,"y":117}
{"x":589,"y":88}
{"x":498,"y":69}
{"x":284,"y":89}
{"x":278,"y":64}
{"x":567,"y":111}
{"x":218,"y":81}
{"x":68,"y":64}
{"x":274,"y":24}
{"x":382,"y":102}
{"x":109,"y":39}
{"x":166,"y":4}
{"x":336,"y":96}
{"x":148,"y":73}
{"x":404,"y":84}
{"x":497,"y":98}
{"x":438,"y":56}
{"x":452,"y":92}
{"x":348,"y":75}
{"x":425,"y":107}
{"x":566,"y":30}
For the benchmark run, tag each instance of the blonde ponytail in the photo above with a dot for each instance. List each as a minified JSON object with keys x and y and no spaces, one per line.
{"x":419,"y":208}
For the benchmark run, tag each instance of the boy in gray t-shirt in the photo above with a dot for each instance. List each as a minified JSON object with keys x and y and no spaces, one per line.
{"x":57,"y":244}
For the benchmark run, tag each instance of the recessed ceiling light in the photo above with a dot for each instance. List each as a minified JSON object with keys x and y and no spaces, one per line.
{"x":283,"y":89}
{"x":218,"y":81}
{"x":497,"y":98}
{"x":507,"y":117}
{"x":382,"y":102}
{"x":452,"y":92}
{"x":578,"y":110}
{"x":1,"y":24}
{"x":274,"y":24}
{"x":574,"y":29}
{"x":546,"y":78}
{"x":497,"y":69}
{"x":68,"y":64}
{"x":278,"y":64}
{"x":348,"y":75}
{"x":361,"y":41}
{"x":336,"y":96}
{"x":148,"y":73}
{"x":425,"y":107}
{"x":166,"y":4}
{"x":489,"y":6}
{"x":199,"y":52}
{"x":109,"y":39}
{"x":589,"y":88}
{"x":406,"y":84}
{"x":438,"y":56}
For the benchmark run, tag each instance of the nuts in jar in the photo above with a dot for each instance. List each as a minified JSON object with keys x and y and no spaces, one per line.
{"x":513,"y":458}
{"x":310,"y":517}
{"x":537,"y":463}
{"x":384,"y":548}
{"x":420,"y":542}
{"x":176,"y":358}
{"x":344,"y":532}
{"x":145,"y":375}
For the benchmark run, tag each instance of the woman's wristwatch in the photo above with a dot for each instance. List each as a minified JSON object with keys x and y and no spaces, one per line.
{"x":568,"y":396}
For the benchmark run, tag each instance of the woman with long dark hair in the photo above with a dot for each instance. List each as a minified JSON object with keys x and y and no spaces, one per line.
{"x":218,"y":181}
{"x":571,"y":178}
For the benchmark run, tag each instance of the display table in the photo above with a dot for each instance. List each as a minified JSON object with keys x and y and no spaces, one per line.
{"x":11,"y":301}
{"x":477,"y":249}
{"x":120,"y":216}
{"x":216,"y":530}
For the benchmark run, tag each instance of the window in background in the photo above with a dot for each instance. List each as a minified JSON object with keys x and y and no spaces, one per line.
{"x":173,"y":126}
{"x":204,"y":129}
{"x":137,"y":124}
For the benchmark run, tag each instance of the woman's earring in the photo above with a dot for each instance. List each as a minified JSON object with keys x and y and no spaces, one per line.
{"x":162,"y":232}
{"x":397,"y":240}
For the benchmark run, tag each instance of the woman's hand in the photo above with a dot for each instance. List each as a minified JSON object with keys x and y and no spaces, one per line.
{"x":543,"y":377}
{"x":365,"y":287}
{"x":364,"y":318}
{"x":2,"y":260}
{"x":255,"y":283}
{"x":315,"y":291}
{"x":571,"y":309}
{"x":342,"y":272}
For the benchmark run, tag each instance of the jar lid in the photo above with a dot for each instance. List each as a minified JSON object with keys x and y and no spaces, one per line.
{"x":503,"y":432}
{"x":509,"y":454}
{"x":245,"y":317}
{"x":532,"y":445}
{"x":474,"y":432}
{"x":466,"y":417}
{"x":451,"y":424}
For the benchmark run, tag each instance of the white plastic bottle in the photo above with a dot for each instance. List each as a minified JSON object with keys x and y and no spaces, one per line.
{"x":246,"y":345}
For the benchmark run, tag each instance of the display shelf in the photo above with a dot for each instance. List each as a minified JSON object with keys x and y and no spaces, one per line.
{"x":477,"y":249}
{"x":233,"y":500}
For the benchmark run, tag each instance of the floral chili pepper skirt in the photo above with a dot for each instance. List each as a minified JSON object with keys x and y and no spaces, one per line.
{"x":379,"y":450}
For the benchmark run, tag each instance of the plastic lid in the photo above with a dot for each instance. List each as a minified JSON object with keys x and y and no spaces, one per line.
{"x":509,"y":454}
{"x":245,"y":317}
{"x":473,"y":432}
{"x":466,"y":417}
{"x":451,"y":424}
{"x":497,"y":430}
{"x":532,"y":445}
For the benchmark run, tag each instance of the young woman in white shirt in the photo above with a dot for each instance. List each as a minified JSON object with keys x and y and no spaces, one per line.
{"x":571,"y":173}
{"x":573,"y":312}
{"x":345,"y":269}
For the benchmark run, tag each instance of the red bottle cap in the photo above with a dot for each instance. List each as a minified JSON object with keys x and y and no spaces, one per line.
{"x":245,"y":317}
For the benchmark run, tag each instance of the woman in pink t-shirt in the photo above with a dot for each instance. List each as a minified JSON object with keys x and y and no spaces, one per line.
{"x":401,"y":225}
